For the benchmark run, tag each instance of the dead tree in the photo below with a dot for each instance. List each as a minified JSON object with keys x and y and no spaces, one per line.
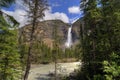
{"x":35,"y":11}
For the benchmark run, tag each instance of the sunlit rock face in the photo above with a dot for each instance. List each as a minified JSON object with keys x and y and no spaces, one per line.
{"x":44,"y":32}
{"x":67,"y":34}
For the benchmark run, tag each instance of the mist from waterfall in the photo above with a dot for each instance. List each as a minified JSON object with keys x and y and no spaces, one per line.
{"x":69,"y":38}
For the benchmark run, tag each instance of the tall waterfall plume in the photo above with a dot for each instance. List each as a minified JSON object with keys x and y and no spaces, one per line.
{"x":69,"y":38}
{"x":69,"y":42}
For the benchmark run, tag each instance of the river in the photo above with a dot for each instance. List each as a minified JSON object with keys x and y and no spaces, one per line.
{"x":41,"y":71}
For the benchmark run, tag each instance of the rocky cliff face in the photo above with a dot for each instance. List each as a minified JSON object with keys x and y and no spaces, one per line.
{"x":76,"y":31}
{"x":44,"y":32}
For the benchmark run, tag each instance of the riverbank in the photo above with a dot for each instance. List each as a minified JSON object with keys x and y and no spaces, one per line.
{"x":42,"y":71}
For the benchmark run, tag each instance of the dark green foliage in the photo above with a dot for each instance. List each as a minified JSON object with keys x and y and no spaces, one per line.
{"x":112,"y":67}
{"x":100,"y":36}
{"x":41,"y":53}
{"x":9,"y":57}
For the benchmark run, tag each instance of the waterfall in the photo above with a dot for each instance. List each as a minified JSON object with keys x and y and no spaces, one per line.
{"x":69,"y":38}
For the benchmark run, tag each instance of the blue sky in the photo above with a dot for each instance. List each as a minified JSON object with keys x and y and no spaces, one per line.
{"x":63,"y":5}
{"x":64,"y":10}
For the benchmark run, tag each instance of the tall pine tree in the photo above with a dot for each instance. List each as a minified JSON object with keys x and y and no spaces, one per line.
{"x":100,"y":35}
{"x":9,"y":56}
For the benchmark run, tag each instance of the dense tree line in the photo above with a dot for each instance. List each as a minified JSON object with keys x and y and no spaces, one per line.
{"x":100,"y":39}
{"x":41,"y":53}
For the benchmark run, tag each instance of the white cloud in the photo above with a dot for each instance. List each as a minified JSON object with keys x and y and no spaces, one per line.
{"x":74,"y":9}
{"x":20,"y":14}
{"x":57,"y":15}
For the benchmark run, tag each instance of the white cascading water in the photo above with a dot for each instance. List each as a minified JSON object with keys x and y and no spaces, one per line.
{"x":69,"y":38}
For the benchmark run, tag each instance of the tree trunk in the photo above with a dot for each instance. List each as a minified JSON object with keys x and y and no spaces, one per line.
{"x":36,"y":12}
{"x":28,"y":65}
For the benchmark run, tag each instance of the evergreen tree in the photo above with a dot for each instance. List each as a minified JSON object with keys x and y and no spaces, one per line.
{"x":9,"y":56}
{"x":6,"y":3}
{"x":89,"y":35}
{"x":111,"y":20}
{"x":100,"y":35}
